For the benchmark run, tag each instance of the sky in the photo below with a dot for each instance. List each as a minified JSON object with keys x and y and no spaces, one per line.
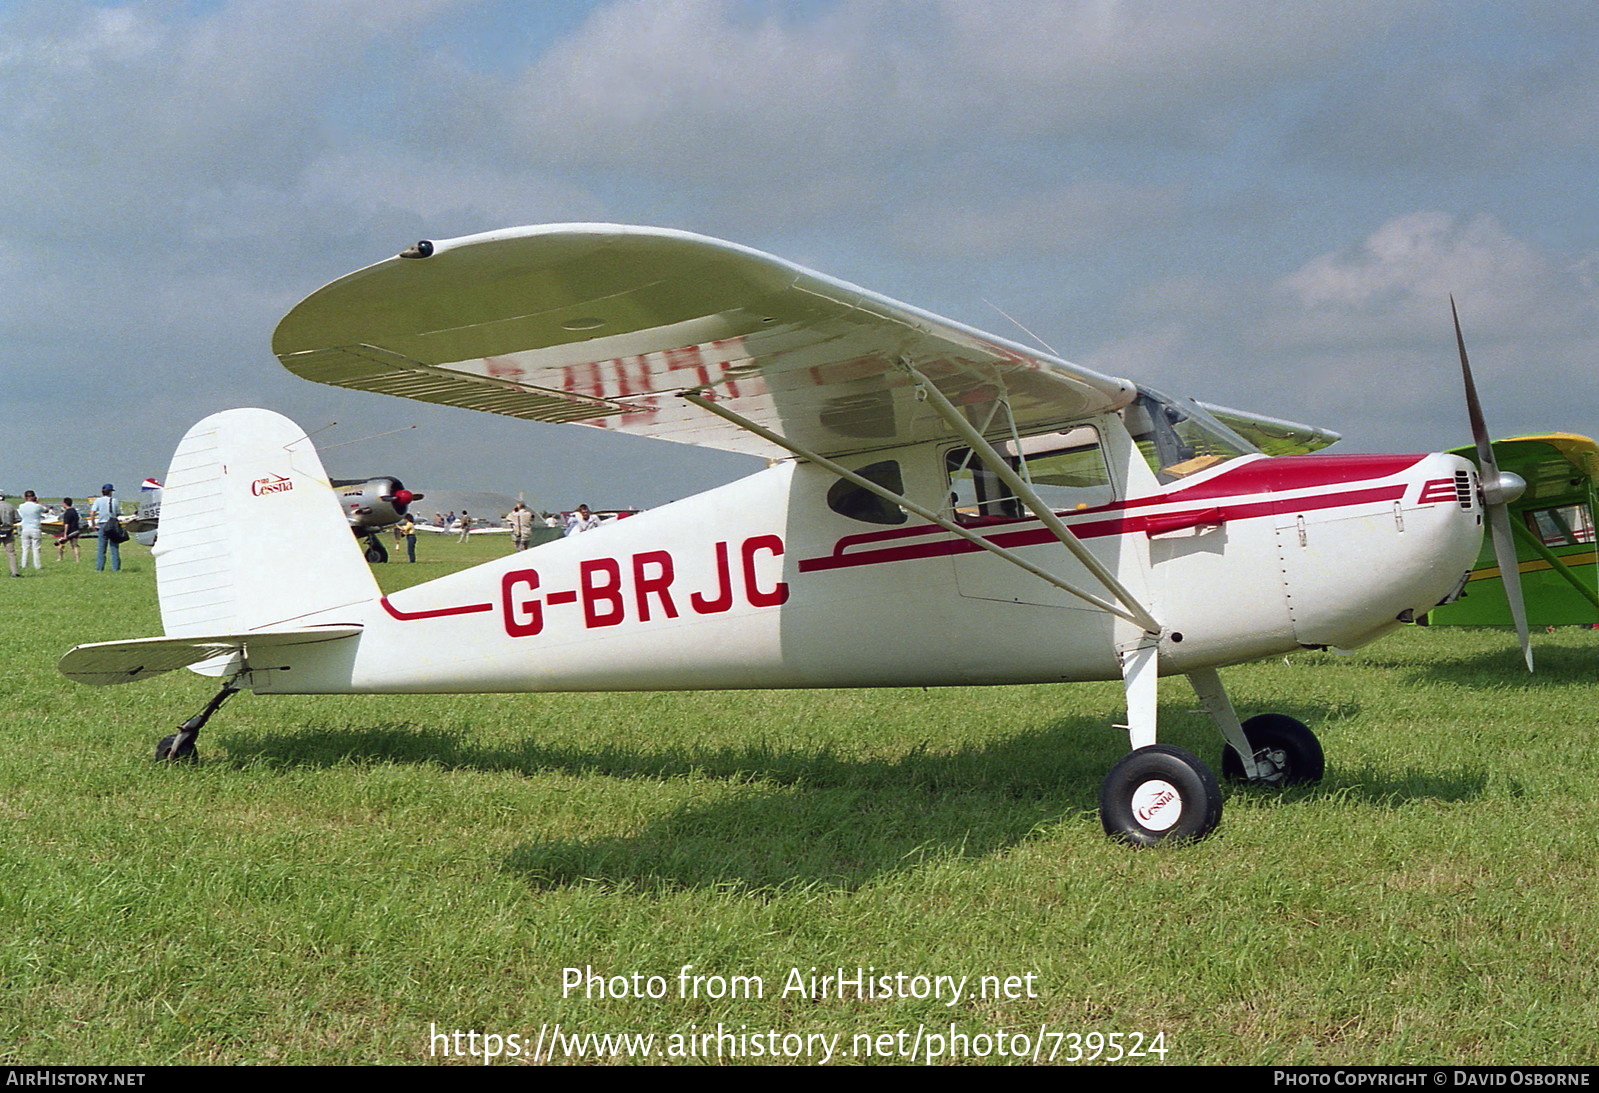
{"x":1259,"y":203}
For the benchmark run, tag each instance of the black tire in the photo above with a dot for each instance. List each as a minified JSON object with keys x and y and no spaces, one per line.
{"x":1159,"y":794}
{"x":375,"y":551}
{"x":1284,"y":742}
{"x":186,"y":752}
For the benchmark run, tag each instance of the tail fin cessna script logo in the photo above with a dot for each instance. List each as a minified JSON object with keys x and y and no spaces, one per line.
{"x":274,"y":483}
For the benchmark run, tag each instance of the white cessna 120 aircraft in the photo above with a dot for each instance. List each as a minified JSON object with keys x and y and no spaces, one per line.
{"x":942,"y":506}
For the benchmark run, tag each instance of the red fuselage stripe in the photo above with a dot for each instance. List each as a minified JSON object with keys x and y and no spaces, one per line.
{"x":1277,"y":474}
{"x":1035,"y":533}
{"x":436,"y":613}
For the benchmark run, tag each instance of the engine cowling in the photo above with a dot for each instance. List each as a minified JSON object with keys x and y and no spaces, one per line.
{"x":373,"y":503}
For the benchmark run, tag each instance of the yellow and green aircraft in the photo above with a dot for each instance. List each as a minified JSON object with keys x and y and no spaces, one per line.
{"x":1554,"y":530}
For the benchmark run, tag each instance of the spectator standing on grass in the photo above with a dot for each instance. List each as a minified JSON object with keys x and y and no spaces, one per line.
{"x":465,"y":525}
{"x":105,"y":512}
{"x":8,"y":532}
{"x":406,"y":528}
{"x":71,"y":528}
{"x":521,"y":521}
{"x":31,"y":515}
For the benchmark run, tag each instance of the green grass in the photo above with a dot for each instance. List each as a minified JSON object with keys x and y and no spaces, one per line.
{"x":338,"y":875}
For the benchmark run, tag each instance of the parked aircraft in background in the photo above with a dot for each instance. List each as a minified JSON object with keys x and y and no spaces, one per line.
{"x":370,"y":505}
{"x":1553,"y":524}
{"x":148,"y":519}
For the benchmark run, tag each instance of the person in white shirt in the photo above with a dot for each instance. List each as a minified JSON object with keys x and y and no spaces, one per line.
{"x":30,"y":514}
{"x":581,"y":520}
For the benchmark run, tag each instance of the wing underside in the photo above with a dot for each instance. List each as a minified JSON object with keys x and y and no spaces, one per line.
{"x":606,"y":325}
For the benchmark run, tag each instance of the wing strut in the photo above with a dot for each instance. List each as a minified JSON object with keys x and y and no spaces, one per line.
{"x":1136,"y":612}
{"x":926,"y":514}
{"x":1555,"y":563}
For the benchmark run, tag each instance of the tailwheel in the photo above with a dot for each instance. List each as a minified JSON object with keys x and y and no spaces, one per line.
{"x":1159,"y":794}
{"x":177,"y":748}
{"x":1286,"y":751}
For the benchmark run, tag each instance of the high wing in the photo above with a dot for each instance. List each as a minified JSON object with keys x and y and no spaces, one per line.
{"x":606,"y":325}
{"x":1271,"y":435}
{"x":1554,"y":527}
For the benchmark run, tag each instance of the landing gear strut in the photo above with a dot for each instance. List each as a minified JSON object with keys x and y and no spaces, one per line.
{"x":1269,"y":749}
{"x":1286,"y":753}
{"x":179,"y":747}
{"x":1158,"y":793}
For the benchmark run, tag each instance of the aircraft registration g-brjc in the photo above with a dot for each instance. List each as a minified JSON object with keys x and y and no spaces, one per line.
{"x":941,"y":506}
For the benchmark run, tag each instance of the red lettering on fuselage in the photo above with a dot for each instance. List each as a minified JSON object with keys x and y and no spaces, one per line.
{"x":605,"y":599}
{"x":723,"y":599}
{"x":645,"y":586}
{"x":758,"y":597}
{"x":523,"y":614}
{"x":601,"y":579}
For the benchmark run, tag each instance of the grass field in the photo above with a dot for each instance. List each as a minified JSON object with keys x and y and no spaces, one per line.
{"x":339,"y":877}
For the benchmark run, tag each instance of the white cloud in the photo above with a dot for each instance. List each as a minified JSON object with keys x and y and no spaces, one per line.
{"x":1115,"y":174}
{"x":1397,"y":282}
{"x":1427,"y":254}
{"x":697,"y":89}
{"x":441,"y":191}
{"x":1070,"y":217}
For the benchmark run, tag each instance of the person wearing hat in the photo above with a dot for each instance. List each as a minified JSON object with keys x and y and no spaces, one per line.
{"x":104,"y":512}
{"x":8,"y":528}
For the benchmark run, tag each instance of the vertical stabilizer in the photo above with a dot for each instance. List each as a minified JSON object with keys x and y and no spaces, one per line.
{"x":252,"y":535}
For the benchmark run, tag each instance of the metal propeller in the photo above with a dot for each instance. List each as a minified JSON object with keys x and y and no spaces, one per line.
{"x":1499,"y":488}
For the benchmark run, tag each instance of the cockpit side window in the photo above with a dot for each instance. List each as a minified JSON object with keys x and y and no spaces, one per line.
{"x":1067,"y":470}
{"x":1565,"y":525}
{"x":858,"y":503}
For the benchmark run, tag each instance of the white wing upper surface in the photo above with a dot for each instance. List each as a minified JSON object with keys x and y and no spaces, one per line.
{"x":605,"y":325}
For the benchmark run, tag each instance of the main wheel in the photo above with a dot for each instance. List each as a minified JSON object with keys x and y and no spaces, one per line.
{"x":1159,"y":794}
{"x":1287,"y":749}
{"x":184,"y":753}
{"x":375,"y":551}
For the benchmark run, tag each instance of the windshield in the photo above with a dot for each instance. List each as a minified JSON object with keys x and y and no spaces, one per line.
{"x":1178,"y":438}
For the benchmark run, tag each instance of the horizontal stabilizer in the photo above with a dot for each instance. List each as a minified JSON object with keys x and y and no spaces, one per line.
{"x":106,"y":662}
